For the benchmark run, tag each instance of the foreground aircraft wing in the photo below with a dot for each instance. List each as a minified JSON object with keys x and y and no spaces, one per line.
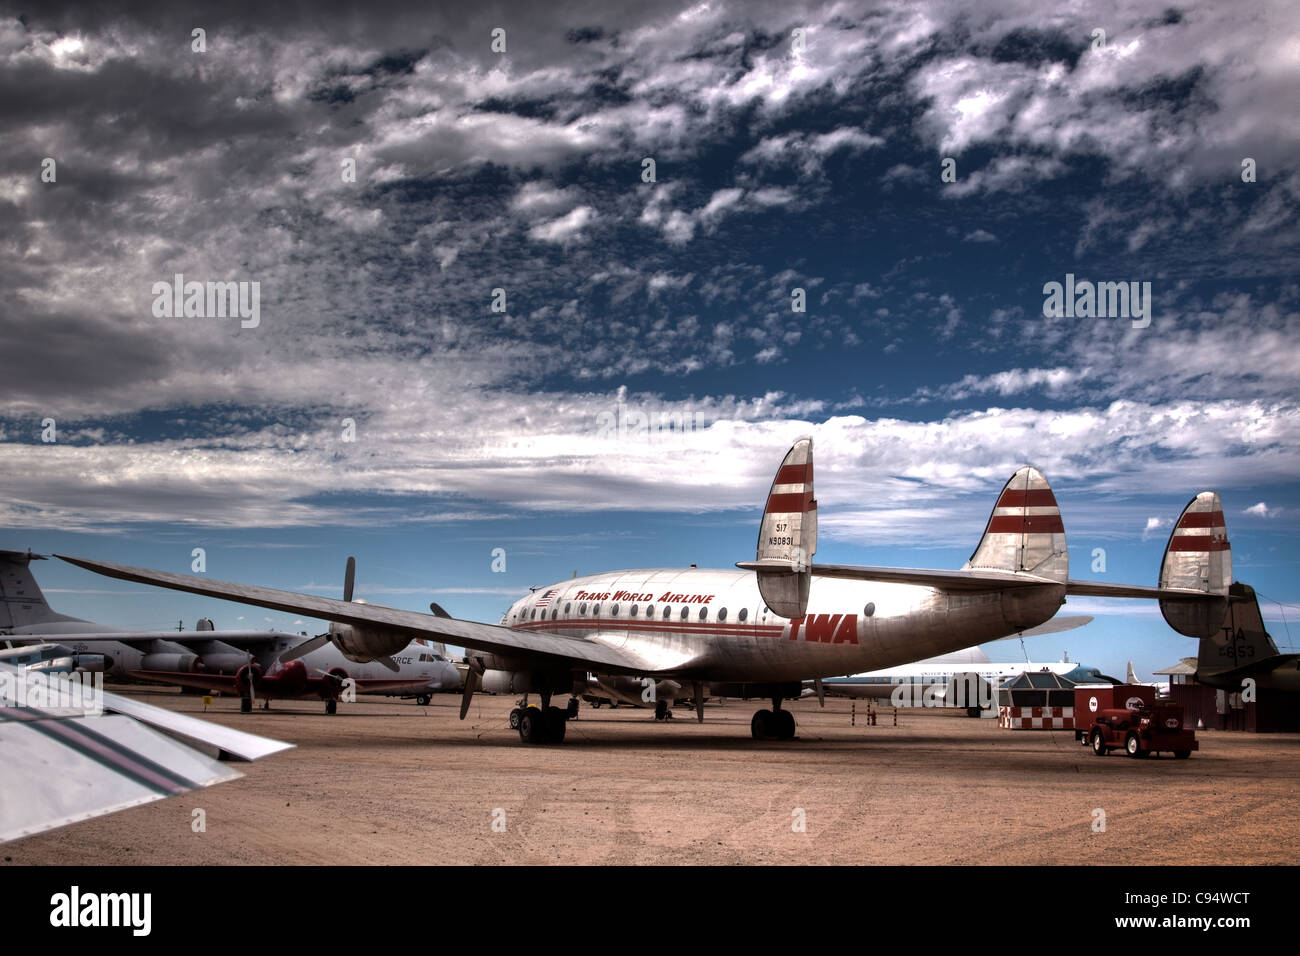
{"x":64,"y":765}
{"x":488,"y":637}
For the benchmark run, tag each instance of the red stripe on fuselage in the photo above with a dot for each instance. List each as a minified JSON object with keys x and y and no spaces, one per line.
{"x":685,"y":627}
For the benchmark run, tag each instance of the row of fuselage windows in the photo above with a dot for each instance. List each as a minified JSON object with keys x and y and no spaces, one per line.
{"x":634,"y":611}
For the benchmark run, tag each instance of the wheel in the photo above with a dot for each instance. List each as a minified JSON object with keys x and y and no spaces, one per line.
{"x":1133,"y":745}
{"x":595,"y":704}
{"x":783,"y":724}
{"x":573,"y":708}
{"x":331,"y":706}
{"x":515,"y":715}
{"x":760,"y":726}
{"x":556,"y":723}
{"x":532,"y":726}
{"x":245,"y":705}
{"x":1099,"y":743}
{"x":661,"y":710}
{"x":423,"y":699}
{"x":1182,"y":754}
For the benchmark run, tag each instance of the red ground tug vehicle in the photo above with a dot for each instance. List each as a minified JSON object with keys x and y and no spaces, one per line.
{"x":1129,"y":717}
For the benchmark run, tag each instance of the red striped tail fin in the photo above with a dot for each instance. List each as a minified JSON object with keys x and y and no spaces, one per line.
{"x":1024,"y":532}
{"x":1198,"y":558}
{"x":787,"y":536}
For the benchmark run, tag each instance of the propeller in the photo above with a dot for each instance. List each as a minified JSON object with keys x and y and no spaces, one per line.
{"x":472,"y":675}
{"x":320,"y":640}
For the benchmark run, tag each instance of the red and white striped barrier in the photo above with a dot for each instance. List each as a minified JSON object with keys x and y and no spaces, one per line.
{"x":1036,"y":718}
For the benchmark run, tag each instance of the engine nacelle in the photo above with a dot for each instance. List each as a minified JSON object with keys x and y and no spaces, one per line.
{"x":363,"y":644}
{"x":82,"y":663}
{"x":222,"y":662}
{"x":526,"y":682}
{"x":176,"y":663}
{"x":507,"y":682}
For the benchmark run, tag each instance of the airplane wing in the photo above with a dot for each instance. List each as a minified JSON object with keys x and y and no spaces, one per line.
{"x":558,"y":648}
{"x":64,"y":765}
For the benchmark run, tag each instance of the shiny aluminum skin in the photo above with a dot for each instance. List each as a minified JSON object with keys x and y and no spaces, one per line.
{"x":905,"y":623}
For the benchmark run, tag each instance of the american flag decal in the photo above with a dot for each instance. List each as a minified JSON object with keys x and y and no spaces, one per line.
{"x":545,"y":599}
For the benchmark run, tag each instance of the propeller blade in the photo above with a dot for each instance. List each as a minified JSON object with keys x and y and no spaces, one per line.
{"x":389,"y":663}
{"x":471,"y":685}
{"x":437,"y":610}
{"x":349,"y":578}
{"x":698,"y":690}
{"x":306,"y":647}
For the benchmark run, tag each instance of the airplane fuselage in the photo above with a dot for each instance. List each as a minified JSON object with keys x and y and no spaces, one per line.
{"x":713,"y":624}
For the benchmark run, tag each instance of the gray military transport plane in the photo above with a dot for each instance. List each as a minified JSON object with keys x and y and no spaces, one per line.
{"x":778,"y":620}
{"x":269,"y":665}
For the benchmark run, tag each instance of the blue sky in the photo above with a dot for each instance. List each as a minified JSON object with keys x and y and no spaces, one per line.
{"x":923,"y":364}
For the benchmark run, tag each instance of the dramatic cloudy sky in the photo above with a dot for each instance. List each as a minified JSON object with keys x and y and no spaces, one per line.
{"x":923,"y":364}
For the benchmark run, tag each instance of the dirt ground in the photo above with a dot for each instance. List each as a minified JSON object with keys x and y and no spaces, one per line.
{"x":388,"y":781}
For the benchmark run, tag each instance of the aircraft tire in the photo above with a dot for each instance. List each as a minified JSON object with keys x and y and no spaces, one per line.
{"x":556,"y":724}
{"x":532,"y":726}
{"x":783,"y":724}
{"x":760,"y":725}
{"x":331,"y":706}
{"x":245,"y":705}
{"x":515,"y":716}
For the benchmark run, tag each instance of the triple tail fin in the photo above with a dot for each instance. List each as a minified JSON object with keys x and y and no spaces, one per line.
{"x":787,"y":535}
{"x":1198,"y":558}
{"x":1024,"y":533}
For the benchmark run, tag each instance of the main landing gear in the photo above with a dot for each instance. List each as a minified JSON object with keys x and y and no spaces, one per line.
{"x":541,"y":725}
{"x":774,"y":724}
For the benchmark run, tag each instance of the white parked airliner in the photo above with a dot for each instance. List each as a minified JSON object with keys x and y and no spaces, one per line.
{"x":774,"y":622}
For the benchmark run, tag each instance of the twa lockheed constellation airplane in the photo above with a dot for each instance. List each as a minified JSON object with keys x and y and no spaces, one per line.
{"x":778,"y":620}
